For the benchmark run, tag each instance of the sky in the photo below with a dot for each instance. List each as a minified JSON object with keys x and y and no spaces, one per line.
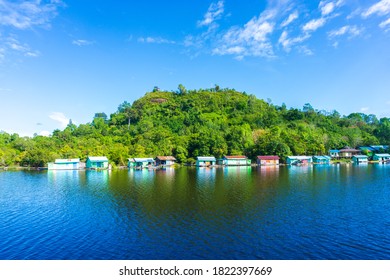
{"x":69,"y":59}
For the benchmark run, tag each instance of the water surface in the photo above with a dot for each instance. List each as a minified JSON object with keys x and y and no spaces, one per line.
{"x":307,"y":212}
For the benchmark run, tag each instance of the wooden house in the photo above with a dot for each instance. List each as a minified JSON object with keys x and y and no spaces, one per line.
{"x":360,"y":159}
{"x":348,"y":152}
{"x":205,"y":161}
{"x":97,"y":162}
{"x":140,"y":162}
{"x":64,"y":164}
{"x":267,"y":160}
{"x":321,"y":159}
{"x":299,"y":160}
{"x":381,"y":157}
{"x":236,"y":160}
{"x":165,"y":160}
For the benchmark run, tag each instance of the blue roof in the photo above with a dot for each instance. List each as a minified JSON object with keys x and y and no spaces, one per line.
{"x":322,"y":157}
{"x":334,"y":151}
{"x":206,"y":158}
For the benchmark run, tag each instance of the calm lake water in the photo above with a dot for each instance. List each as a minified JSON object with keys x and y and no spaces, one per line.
{"x":311,"y":212}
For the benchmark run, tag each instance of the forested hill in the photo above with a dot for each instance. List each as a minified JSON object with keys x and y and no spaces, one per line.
{"x":187,"y":124}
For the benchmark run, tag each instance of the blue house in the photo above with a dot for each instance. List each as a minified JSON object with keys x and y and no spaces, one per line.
{"x":140,"y":162}
{"x":64,"y":164}
{"x":97,"y":162}
{"x":205,"y":161}
{"x":236,"y":160}
{"x":334,"y":153}
{"x":321,"y":159}
{"x":299,"y":160}
{"x":360,"y":159}
{"x":381,"y":157}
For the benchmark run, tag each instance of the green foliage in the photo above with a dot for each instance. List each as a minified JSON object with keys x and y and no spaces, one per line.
{"x":190,"y":123}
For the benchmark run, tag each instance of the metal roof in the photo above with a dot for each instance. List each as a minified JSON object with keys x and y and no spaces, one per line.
{"x":166,"y":158}
{"x":268,"y":157}
{"x":206,"y":158}
{"x":299,"y":157}
{"x":322,"y":157}
{"x":235,"y":157}
{"x":143,"y":160}
{"x":98,"y":159}
{"x":64,"y":161}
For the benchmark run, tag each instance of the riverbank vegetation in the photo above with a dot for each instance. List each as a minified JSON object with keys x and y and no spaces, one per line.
{"x":190,"y":123}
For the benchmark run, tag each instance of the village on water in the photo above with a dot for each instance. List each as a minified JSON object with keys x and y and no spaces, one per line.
{"x":361,"y":155}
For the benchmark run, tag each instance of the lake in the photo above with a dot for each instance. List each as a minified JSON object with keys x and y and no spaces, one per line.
{"x":297,"y":212}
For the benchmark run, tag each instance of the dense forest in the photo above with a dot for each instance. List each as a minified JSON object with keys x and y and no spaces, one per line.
{"x":190,"y":123}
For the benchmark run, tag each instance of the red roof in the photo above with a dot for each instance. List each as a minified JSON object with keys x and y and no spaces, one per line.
{"x":268,"y":157}
{"x":235,"y":157}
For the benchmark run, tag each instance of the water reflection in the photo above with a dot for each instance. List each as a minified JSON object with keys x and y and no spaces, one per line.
{"x":271,"y":212}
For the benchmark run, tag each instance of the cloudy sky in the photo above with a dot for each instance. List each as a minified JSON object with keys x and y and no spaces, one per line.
{"x":68,"y":59}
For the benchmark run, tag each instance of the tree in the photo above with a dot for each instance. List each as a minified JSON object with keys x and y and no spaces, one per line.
{"x":181,"y":89}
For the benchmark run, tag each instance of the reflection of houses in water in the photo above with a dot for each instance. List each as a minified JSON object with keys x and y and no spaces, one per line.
{"x":206,"y":176}
{"x":237,"y":170}
{"x":55,"y":176}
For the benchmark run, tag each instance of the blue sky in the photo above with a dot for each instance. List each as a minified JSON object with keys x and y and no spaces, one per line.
{"x":68,"y":59}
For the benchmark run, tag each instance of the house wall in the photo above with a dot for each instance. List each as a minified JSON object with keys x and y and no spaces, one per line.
{"x":235,"y":162}
{"x":268,"y":162}
{"x":204,"y":163}
{"x":62,"y":166}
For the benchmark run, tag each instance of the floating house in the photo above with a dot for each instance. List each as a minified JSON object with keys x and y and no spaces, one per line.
{"x":140,"y":162}
{"x":165,"y":160}
{"x":334,"y":153}
{"x":348,"y":152}
{"x":97,"y":162}
{"x":236,"y":160}
{"x":267,"y":160}
{"x":64,"y":164}
{"x":360,"y":159}
{"x":381,"y":157}
{"x":297,"y":160}
{"x":321,"y":159}
{"x":205,"y":161}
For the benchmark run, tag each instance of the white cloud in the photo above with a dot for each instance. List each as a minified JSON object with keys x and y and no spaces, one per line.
{"x":287,"y":43}
{"x":305,"y":50}
{"x":385,"y":24}
{"x":327,"y":8}
{"x":351,"y":30}
{"x":82,"y":42}
{"x":364,"y":109}
{"x":251,"y":39}
{"x":381,"y":8}
{"x":293,"y":16}
{"x":28,"y":13}
{"x":12,"y":44}
{"x":60,"y":117}
{"x":314,"y":24}
{"x":213,"y":13}
{"x":155,"y":40}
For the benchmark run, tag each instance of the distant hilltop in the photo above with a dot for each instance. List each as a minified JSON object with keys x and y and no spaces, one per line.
{"x":190,"y":123}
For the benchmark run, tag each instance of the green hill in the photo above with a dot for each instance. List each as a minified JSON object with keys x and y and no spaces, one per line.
{"x":187,"y":124}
